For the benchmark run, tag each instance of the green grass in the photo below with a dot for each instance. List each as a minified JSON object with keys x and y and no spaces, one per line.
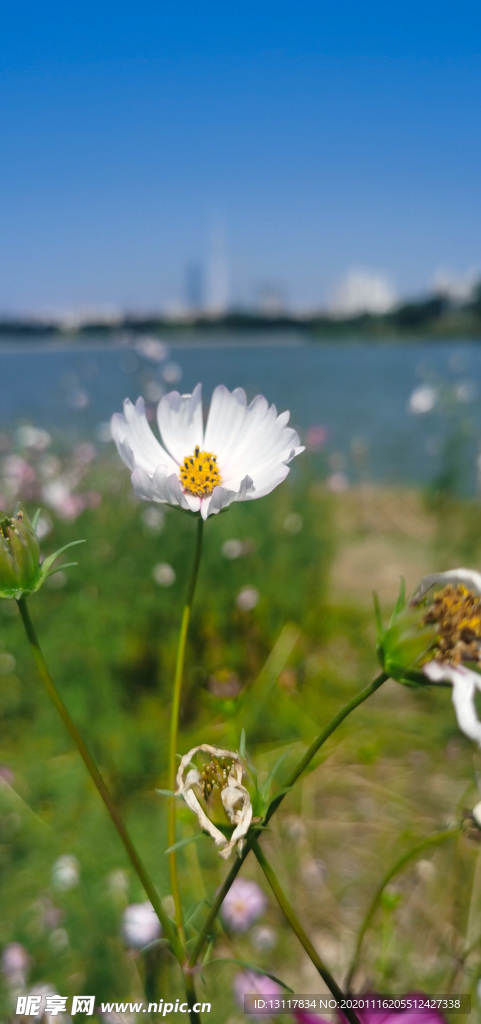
{"x":395,"y":772}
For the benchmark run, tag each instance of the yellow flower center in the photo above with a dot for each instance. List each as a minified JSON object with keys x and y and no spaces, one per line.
{"x":215,"y":775}
{"x":199,"y":473}
{"x":456,"y":611}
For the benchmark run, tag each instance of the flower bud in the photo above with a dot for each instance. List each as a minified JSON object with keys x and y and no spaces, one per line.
{"x":19,"y":555}
{"x":21,"y":572}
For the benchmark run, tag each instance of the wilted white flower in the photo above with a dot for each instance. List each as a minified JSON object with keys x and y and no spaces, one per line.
{"x":223,"y":773}
{"x":243,"y":904}
{"x":456,"y":611}
{"x":65,"y":872}
{"x":140,"y":925}
{"x":242,"y":454}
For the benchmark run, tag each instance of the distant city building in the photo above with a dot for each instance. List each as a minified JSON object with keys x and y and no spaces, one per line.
{"x":271,"y":300}
{"x":362,"y":291}
{"x":217,"y":299}
{"x":194,"y":290}
{"x":455,"y":287}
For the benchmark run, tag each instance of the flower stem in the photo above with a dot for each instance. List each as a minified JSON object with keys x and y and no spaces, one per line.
{"x":323,"y":736}
{"x":174,"y":723}
{"x":275,"y":803}
{"x":191,"y":997}
{"x":433,"y":840}
{"x":99,"y":782}
{"x":301,"y":934}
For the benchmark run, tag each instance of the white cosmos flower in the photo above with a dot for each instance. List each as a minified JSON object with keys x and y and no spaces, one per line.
{"x":465,"y":682}
{"x":242,"y":453}
{"x":224,"y":772}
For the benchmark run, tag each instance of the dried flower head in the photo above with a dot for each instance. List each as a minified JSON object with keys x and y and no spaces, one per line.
{"x":222,"y":774}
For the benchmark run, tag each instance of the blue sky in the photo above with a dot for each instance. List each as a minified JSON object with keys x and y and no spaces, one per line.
{"x":317,"y":136}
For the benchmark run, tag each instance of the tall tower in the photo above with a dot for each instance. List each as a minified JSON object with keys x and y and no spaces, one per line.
{"x":218,"y":276}
{"x":194,"y":287}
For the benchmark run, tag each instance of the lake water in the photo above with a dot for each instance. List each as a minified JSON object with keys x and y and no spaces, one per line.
{"x":391,"y":412}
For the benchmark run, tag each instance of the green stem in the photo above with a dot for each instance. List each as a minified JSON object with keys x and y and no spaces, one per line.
{"x":275,"y":803}
{"x":323,"y":736}
{"x":299,"y":931}
{"x":433,"y":840}
{"x":191,"y":996}
{"x":218,"y":901}
{"x":174,"y":723}
{"x":98,"y":780}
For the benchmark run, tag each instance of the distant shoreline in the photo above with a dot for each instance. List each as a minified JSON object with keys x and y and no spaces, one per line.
{"x":433,"y":319}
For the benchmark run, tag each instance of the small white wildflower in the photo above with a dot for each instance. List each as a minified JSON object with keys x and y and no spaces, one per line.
{"x":140,"y":925}
{"x":65,"y":872}
{"x":293,"y":523}
{"x":223,"y":772}
{"x":163,"y":574}
{"x":264,"y":938}
{"x":152,"y":348}
{"x":59,"y":939}
{"x":243,"y":904}
{"x":44,"y":526}
{"x":247,"y":599}
{"x":243,"y":453}
{"x":477,"y":813}
{"x":232,"y":549}
{"x":337,"y":482}
{"x":153,"y":518}
{"x":153,"y":391}
{"x":172,"y":373}
{"x":118,"y":882}
{"x":422,"y":400}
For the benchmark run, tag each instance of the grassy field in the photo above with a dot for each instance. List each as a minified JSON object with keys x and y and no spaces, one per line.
{"x":282,"y":635}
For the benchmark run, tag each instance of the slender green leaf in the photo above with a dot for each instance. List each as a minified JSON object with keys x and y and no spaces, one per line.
{"x":185,"y":842}
{"x":248,"y":967}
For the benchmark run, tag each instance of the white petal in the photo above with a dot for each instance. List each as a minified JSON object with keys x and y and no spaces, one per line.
{"x":233,"y":794}
{"x":469,"y":577}
{"x":224,"y":422}
{"x":159,"y":487}
{"x":135,"y":441}
{"x":465,"y":684}
{"x":180,"y":422}
{"x":221,"y":498}
{"x":268,"y":480}
{"x":204,"y":822}
{"x":249,"y":441}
